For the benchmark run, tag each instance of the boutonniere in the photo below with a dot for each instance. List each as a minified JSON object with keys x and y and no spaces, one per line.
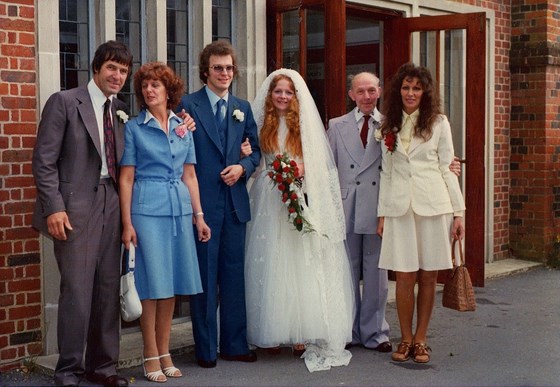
{"x":391,"y":141}
{"x":122,"y":116}
{"x":378,"y":135}
{"x":238,"y":115}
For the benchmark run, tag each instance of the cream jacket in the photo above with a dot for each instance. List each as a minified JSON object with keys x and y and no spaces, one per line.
{"x":420,"y":178}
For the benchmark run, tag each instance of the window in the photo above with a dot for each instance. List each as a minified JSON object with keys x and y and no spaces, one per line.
{"x":177,"y":38}
{"x":74,"y":43}
{"x":221,"y":20}
{"x":130,"y":31}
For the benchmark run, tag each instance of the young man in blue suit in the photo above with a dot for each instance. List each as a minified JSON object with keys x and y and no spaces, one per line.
{"x":223,"y":123}
{"x":358,"y":157}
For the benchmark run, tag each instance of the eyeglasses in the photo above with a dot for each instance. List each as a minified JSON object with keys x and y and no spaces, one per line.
{"x":219,"y":68}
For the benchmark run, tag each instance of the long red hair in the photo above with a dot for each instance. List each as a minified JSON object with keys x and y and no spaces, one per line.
{"x":269,"y":132}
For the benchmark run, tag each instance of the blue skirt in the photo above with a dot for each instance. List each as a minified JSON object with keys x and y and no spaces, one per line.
{"x":166,"y":264}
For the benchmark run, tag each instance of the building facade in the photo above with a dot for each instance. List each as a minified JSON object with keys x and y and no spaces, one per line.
{"x":47,"y":45}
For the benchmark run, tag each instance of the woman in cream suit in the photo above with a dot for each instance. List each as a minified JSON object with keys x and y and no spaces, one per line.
{"x":420,"y":202}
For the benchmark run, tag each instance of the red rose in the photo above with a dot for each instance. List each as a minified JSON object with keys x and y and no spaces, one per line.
{"x":276,"y":164}
{"x":293,"y":163}
{"x":291,"y":210}
{"x":281,"y":187}
{"x":289,"y":181}
{"x":278,"y":178}
{"x":271,"y":174}
{"x":293,"y":196}
{"x":286,"y":169}
{"x":299,"y":220}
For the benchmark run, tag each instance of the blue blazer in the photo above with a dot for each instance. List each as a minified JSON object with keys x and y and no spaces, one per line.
{"x":211,"y":159}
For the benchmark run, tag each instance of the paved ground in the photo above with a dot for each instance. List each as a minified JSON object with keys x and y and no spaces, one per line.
{"x":513,"y":339}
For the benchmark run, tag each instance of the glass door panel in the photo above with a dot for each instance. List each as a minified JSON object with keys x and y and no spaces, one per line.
{"x":315,"y":56}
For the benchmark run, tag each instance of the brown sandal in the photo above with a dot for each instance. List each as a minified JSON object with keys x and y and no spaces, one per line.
{"x":403,"y":352}
{"x":421,"y":353}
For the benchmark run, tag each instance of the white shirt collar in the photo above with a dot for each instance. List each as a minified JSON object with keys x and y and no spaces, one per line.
{"x":375,"y":114}
{"x":97,"y":97}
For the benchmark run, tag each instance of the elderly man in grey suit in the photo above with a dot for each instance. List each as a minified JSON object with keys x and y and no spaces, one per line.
{"x":358,"y":156}
{"x":79,"y":141}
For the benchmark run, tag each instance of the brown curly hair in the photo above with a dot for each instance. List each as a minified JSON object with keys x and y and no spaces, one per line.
{"x":269,"y":133}
{"x":216,"y":48}
{"x":430,"y":104}
{"x":161,"y":72}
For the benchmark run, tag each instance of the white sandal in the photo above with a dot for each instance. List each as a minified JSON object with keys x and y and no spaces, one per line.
{"x":171,"y":372}
{"x":154,"y":376}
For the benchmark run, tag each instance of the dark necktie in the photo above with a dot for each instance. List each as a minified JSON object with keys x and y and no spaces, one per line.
{"x":219,"y":115}
{"x":109,"y":136}
{"x":219,"y":119}
{"x":364,"y":131}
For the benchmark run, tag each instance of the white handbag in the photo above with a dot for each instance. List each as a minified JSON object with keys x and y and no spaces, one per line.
{"x":131,"y":307}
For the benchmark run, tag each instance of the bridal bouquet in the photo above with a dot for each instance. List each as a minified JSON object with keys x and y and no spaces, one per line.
{"x":285,"y":175}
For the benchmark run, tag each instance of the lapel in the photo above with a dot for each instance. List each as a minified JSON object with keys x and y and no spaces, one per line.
{"x":233,"y":130}
{"x":414,"y":143}
{"x":85,"y":108}
{"x":372,"y":152}
{"x":118,"y":127}
{"x":204,"y":114}
{"x":351,"y":138}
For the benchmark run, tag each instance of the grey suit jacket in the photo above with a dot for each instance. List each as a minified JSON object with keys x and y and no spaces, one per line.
{"x":358,"y":172}
{"x":67,"y":157}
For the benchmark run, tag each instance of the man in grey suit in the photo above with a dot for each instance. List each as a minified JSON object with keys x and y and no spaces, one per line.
{"x":79,"y":142}
{"x":358,"y":157}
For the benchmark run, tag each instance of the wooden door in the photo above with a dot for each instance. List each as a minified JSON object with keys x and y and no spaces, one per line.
{"x":398,"y":43}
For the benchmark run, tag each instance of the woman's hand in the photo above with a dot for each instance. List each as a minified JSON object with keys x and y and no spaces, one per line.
{"x":246,"y":149}
{"x":301,"y":169}
{"x":458,"y":231}
{"x":129,"y":235}
{"x":380,"y":225}
{"x":204,"y":232}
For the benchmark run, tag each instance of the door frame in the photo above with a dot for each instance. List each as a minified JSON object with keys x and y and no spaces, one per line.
{"x":397,"y":32}
{"x":396,"y":53}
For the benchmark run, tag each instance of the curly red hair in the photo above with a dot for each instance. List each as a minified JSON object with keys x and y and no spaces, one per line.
{"x":269,"y":132}
{"x":159,"y":71}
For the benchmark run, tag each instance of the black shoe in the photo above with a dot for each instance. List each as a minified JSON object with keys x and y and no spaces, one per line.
{"x":384,"y":347}
{"x":206,"y":363}
{"x":246,"y":358}
{"x":108,"y":381}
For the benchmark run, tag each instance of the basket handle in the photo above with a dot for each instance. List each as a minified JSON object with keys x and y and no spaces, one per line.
{"x":460,"y":252}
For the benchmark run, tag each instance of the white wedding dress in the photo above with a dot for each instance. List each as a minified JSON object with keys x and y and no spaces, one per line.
{"x":298,"y":285}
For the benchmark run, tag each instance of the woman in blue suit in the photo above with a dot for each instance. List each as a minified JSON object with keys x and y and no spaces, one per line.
{"x":159,"y":202}
{"x":420,"y":202}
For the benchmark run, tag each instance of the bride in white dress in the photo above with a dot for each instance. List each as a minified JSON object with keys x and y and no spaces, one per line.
{"x":298,"y":284}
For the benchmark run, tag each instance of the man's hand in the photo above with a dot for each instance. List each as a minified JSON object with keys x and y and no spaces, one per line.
{"x":455,"y":166}
{"x":57,"y":224}
{"x":231,"y":174}
{"x":187,"y":120}
{"x":380,"y":226}
{"x":246,"y":149}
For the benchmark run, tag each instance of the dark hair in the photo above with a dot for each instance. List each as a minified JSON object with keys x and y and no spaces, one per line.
{"x":112,"y":50}
{"x":161,"y":72}
{"x":429,"y":107}
{"x":217,"y":48}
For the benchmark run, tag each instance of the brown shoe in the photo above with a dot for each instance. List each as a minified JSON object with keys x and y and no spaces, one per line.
{"x":298,"y":349}
{"x":421,"y":353}
{"x":403,"y":352}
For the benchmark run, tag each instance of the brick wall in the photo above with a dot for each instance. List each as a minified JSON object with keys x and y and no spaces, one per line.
{"x":502,"y":39}
{"x":20,"y":267}
{"x":535,"y":128}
